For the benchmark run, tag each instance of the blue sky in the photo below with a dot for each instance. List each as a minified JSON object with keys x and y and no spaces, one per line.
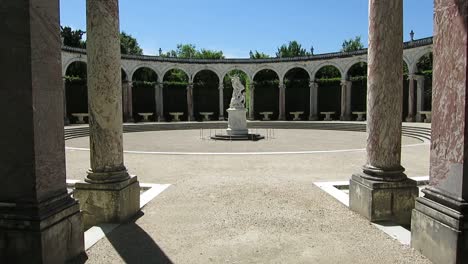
{"x":240,"y":26}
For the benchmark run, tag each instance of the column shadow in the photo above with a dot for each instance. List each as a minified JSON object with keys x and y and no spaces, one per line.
{"x":134,"y":245}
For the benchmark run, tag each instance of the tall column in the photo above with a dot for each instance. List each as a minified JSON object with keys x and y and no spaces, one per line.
{"x":313,"y":113}
{"x":66,"y":121}
{"x":109,"y":193}
{"x":127,"y":101}
{"x":252,"y":102}
{"x":410,"y":117}
{"x":345,"y":100}
{"x":439,"y":224}
{"x":221,"y":101}
{"x":382,"y":192}
{"x":159,"y":92}
{"x":282,"y":101}
{"x":190,"y":114}
{"x":39,"y":221}
{"x":419,"y":97}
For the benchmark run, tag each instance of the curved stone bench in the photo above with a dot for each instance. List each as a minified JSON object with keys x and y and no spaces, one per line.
{"x":176,"y":115}
{"x":296,"y":115}
{"x":80,"y":117}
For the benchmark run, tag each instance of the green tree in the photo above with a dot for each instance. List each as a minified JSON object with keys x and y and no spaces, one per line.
{"x":293,"y":49}
{"x":187,"y":51}
{"x":352,"y":44}
{"x":72,"y":38}
{"x":129,"y":45}
{"x":258,"y":55}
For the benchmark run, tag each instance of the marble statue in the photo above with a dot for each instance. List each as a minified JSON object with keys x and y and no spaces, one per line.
{"x":238,"y":96}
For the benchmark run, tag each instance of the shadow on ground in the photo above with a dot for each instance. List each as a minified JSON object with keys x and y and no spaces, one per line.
{"x":134,"y":245}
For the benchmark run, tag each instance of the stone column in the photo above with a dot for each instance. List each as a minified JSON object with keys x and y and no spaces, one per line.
{"x":39,"y":221}
{"x":109,"y":193}
{"x":382,"y":192}
{"x":252,"y":102}
{"x":345,"y":100}
{"x":190,"y":114}
{"x":221,"y":101}
{"x":159,"y":92}
{"x":313,"y":113}
{"x":66,"y":121}
{"x":440,"y":220}
{"x":410,"y":117}
{"x":419,"y":97}
{"x":282,"y":101}
{"x":127,"y":101}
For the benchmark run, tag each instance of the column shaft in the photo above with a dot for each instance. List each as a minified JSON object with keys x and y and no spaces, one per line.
{"x":282,"y":101}
{"x":160,"y":114}
{"x":410,"y":117}
{"x":419,"y":97}
{"x":382,"y":192}
{"x":313,"y":114}
{"x":345,"y":100}
{"x":190,"y":114}
{"x":110,"y":193}
{"x":66,"y":121}
{"x":39,"y":221}
{"x":221,"y":101}
{"x":252,"y":102}
{"x":439,"y":224}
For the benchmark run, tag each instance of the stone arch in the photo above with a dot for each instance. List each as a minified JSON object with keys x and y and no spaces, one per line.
{"x":352,"y":64}
{"x":297,"y":92}
{"x":175,"y":93}
{"x":327,"y":63}
{"x":206,"y":93}
{"x":266,"y":92}
{"x":70,"y":61}
{"x":208,"y":68}
{"x":232,"y":68}
{"x":227,"y":88}
{"x":357,"y":75}
{"x":257,"y":70}
{"x":175,"y":67}
{"x":144,"y":65}
{"x":413,"y":67}
{"x":144,"y":80}
{"x":329,"y":89}
{"x":296,"y":66}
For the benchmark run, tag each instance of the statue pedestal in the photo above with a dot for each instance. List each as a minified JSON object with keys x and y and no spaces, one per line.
{"x":237,"y":122}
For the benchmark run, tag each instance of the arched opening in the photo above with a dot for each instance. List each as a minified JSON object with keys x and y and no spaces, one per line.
{"x":328,"y":79}
{"x":266,"y":93}
{"x":175,"y":83}
{"x":143,"y":92}
{"x":76,"y":90}
{"x":205,"y":94}
{"x":297,"y":98}
{"x":227,"y":93}
{"x":357,"y":74}
{"x":424,"y":65}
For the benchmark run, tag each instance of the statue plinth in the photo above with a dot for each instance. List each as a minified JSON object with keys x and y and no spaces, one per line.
{"x":237,"y":122}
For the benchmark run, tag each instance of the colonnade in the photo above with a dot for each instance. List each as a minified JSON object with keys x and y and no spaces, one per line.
{"x":40,"y":221}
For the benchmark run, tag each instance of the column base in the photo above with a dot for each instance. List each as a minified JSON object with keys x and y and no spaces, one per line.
{"x":439,"y":232}
{"x":313,"y":118}
{"x":419,"y":118}
{"x":221,"y":118}
{"x":345,"y":118}
{"x":108,"y":202}
{"x":383,"y":200}
{"x":55,"y":238}
{"x":161,"y":119}
{"x":410,"y":119}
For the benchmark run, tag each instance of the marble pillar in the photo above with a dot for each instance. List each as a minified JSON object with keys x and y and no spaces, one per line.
{"x":382,"y":192}
{"x":39,"y":221}
{"x":221,"y":101}
{"x":190,"y":114}
{"x":411,"y":114}
{"x":159,"y":94}
{"x":282,"y":101}
{"x":66,"y":121}
{"x":109,"y":193}
{"x":252,"y":102}
{"x":313,"y":96}
{"x":419,"y":97}
{"x":127,"y":101}
{"x":439,"y":227}
{"x":345,"y":100}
